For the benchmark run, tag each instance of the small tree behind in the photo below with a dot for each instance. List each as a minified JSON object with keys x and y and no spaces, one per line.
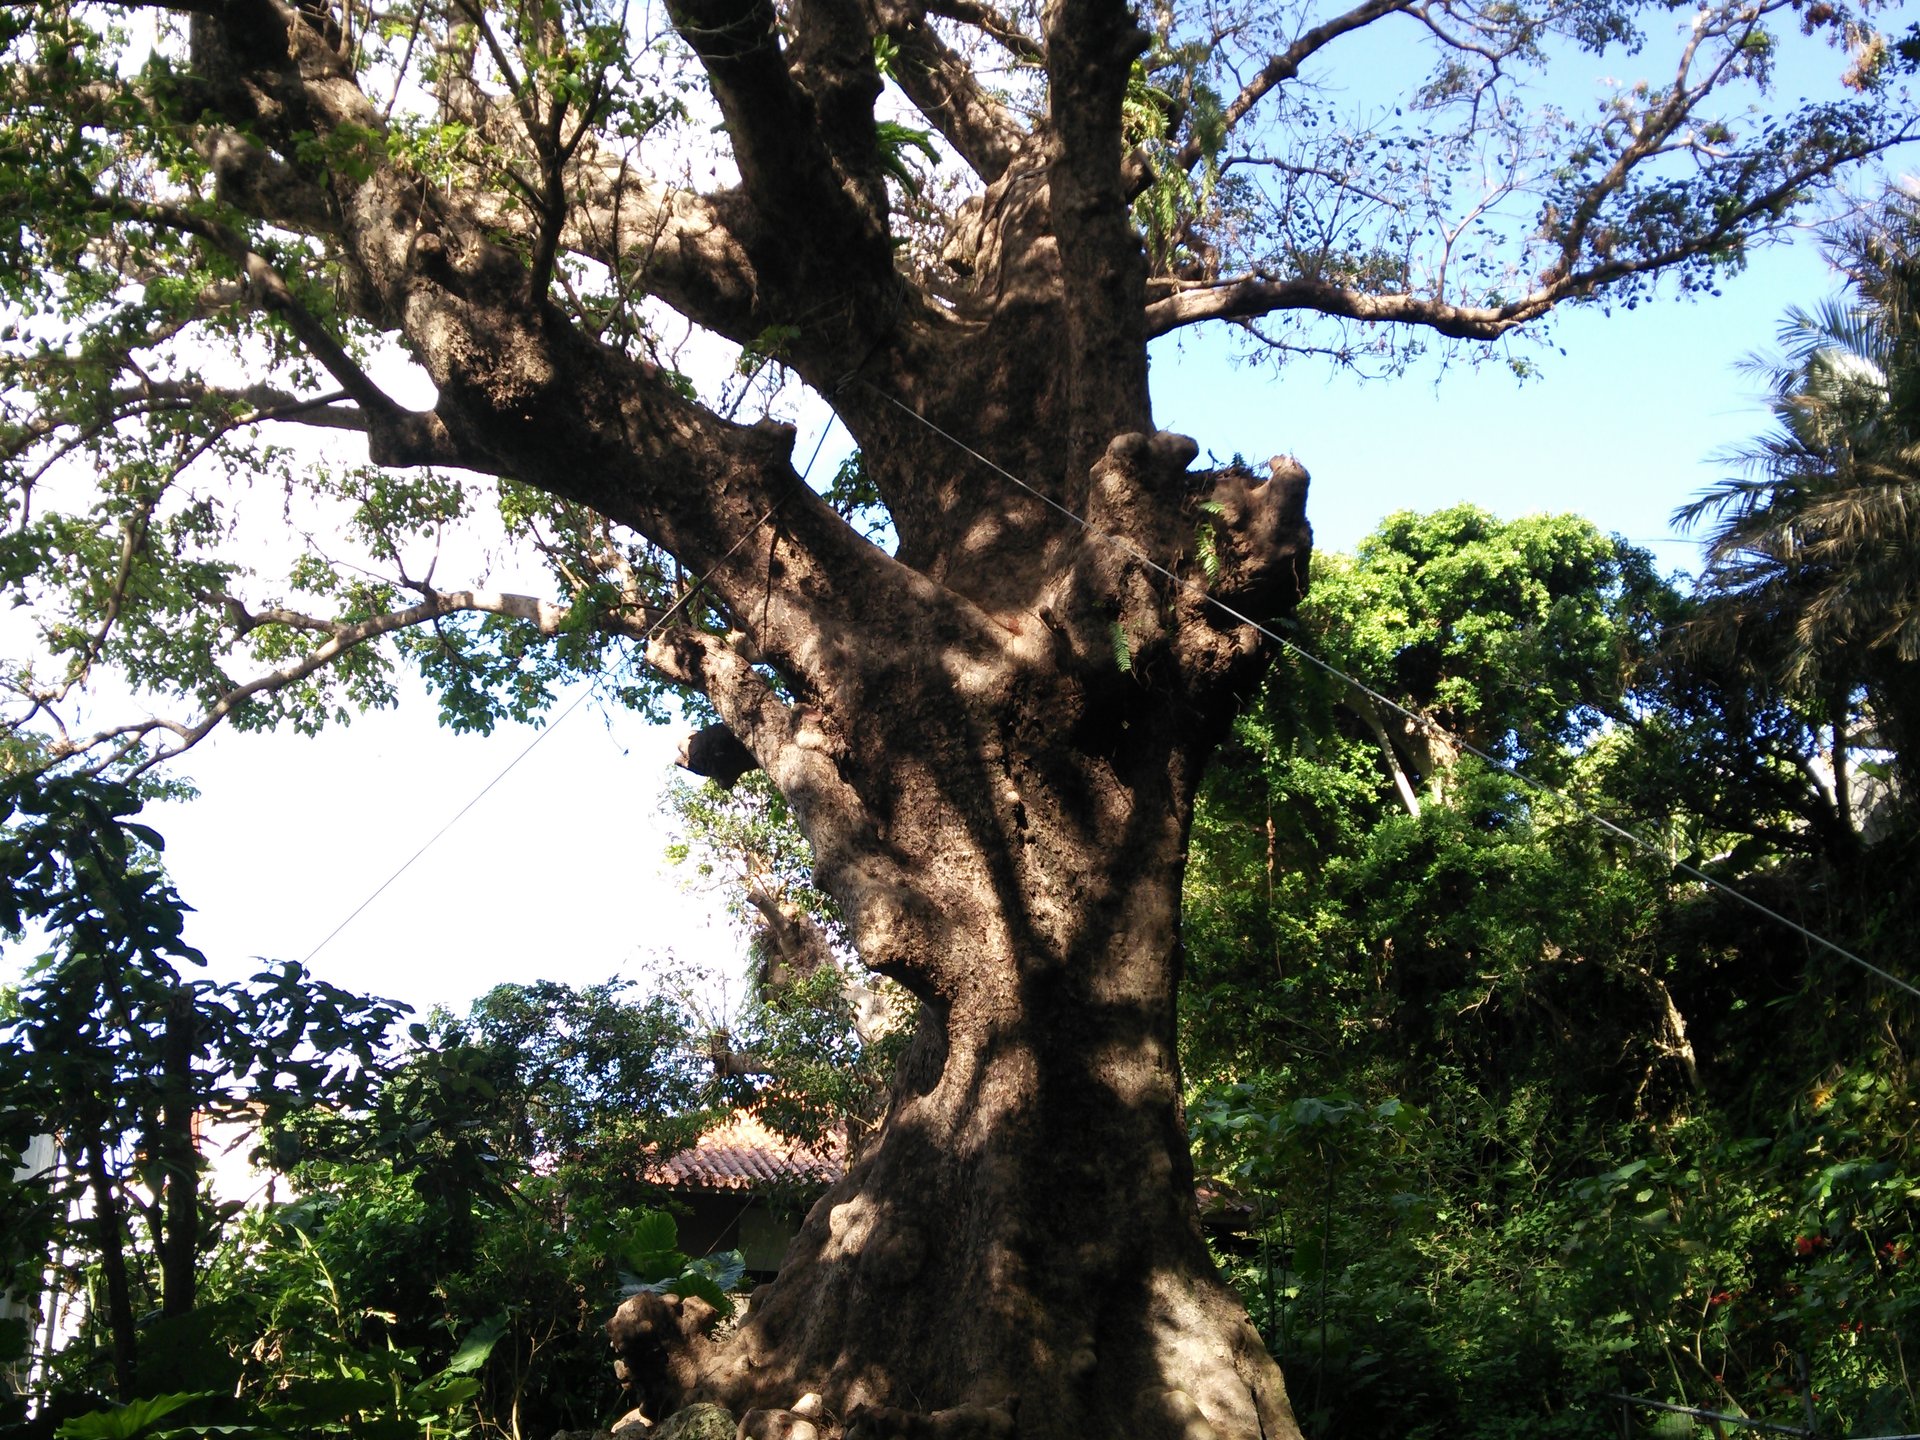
{"x":114,"y":1049}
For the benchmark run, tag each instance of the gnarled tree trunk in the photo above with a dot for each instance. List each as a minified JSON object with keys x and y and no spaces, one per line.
{"x":1023,"y":1228}
{"x":990,"y":739}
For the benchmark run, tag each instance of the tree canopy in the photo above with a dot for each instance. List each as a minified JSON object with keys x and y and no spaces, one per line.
{"x":188,"y":279}
{"x":1524,"y":1116}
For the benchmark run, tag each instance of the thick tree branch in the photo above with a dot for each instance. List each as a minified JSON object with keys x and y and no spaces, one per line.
{"x":783,"y":153}
{"x":1252,"y":296}
{"x":831,"y":59}
{"x":797,"y":745}
{"x":1362,"y":705}
{"x":37,"y":87}
{"x":251,"y":405}
{"x":244,"y":405}
{"x":523,"y":96}
{"x":1091,"y":47}
{"x":1004,"y":32}
{"x":396,"y":436}
{"x":668,"y":242}
{"x":800,"y":244}
{"x":944,"y":88}
{"x":257,"y":182}
{"x":522,"y":392}
{"x":264,"y":403}
{"x":795,"y":947}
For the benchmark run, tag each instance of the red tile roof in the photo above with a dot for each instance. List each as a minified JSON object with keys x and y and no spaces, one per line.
{"x":742,"y":1154}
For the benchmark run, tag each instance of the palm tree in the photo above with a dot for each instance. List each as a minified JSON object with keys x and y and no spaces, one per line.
{"x":1813,"y":555}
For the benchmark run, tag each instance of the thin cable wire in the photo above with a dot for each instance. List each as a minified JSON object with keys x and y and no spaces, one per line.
{"x":458,"y":815}
{"x":578,"y":700}
{"x":1425,"y":722}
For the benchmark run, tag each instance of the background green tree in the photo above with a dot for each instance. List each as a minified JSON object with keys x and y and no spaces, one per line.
{"x":811,"y":1046}
{"x":1813,"y":574}
{"x":115,"y":1050}
{"x":452,"y":1217}
{"x":1525,"y":1115}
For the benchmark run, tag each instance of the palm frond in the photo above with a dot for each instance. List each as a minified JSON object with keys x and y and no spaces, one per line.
{"x":1813,"y":540}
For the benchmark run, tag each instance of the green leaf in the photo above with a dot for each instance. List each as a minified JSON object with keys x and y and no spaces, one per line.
{"x":654,"y":1233}
{"x":128,"y":1421}
{"x":478,"y":1345}
{"x":442,"y":1392}
{"x":725,"y":1270}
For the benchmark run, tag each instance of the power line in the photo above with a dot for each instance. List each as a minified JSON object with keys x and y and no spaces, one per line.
{"x":560,"y":719}
{"x":1423,"y":721}
{"x":458,"y":815}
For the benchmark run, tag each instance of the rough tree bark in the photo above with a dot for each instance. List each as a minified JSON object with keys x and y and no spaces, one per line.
{"x":178,"y":1204}
{"x":1023,"y":1226}
{"x":990,"y":737}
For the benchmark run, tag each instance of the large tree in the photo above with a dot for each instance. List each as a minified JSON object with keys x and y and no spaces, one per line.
{"x":991,"y":724}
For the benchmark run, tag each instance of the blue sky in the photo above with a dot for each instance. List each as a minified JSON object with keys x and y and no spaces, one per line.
{"x":1621,"y":428}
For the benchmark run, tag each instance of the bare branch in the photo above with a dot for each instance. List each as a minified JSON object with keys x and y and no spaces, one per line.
{"x":247,"y":405}
{"x":1286,"y":65}
{"x":1299,"y":171}
{"x":133,"y":538}
{"x":1453,"y":40}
